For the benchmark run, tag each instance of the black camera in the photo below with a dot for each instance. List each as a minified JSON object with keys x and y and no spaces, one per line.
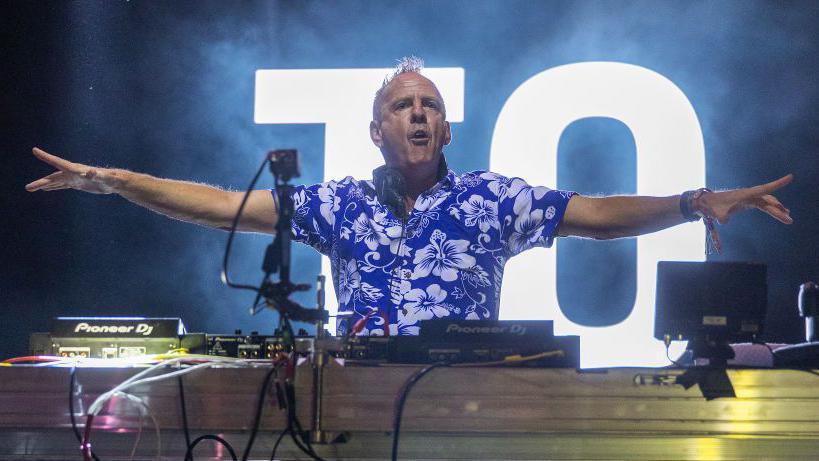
{"x":284,"y":164}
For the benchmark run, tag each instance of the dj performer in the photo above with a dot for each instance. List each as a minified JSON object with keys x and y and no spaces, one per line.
{"x":418,"y":241}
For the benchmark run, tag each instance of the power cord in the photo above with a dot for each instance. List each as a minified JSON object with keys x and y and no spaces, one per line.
{"x":667,"y":343}
{"x":216,"y":438}
{"x":278,"y":441}
{"x":185,"y":426}
{"x":401,"y":400}
{"x":233,"y":226}
{"x":770,"y":349}
{"x":294,"y":427}
{"x":74,"y":427}
{"x":259,"y":409}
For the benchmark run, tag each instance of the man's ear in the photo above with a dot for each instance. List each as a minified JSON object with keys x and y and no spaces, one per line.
{"x":375,"y":134}
{"x":447,"y":133}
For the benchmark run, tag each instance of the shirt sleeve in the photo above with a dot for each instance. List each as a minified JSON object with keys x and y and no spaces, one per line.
{"x":529,"y":215}
{"x":315,"y":209}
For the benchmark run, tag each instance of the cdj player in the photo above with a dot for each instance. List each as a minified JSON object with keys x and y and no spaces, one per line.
{"x":470,"y":341}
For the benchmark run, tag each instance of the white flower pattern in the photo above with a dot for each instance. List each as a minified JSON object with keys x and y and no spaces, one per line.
{"x":329,"y":202}
{"x":425,"y":304}
{"x":480,"y":211}
{"x":348,"y":281}
{"x":370,"y":232}
{"x":442,"y":257}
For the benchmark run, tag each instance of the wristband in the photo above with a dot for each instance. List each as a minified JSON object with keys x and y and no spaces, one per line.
{"x":687,"y":203}
{"x":713,"y":243}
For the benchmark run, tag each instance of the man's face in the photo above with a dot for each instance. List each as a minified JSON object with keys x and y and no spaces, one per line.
{"x":411,"y":128}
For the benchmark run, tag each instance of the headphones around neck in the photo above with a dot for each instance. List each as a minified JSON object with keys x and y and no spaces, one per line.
{"x":391,"y":187}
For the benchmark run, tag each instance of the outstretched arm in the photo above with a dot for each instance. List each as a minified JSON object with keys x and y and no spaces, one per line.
{"x":186,"y":201}
{"x":615,"y":217}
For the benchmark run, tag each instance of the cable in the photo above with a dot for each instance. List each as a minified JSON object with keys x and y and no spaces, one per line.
{"x":294,"y":426}
{"x":256,"y":422}
{"x":770,"y":349}
{"x":184,"y":414}
{"x":135,"y":381}
{"x":667,"y":342}
{"x":147,"y":410}
{"x":278,"y":441}
{"x":96,"y":407}
{"x":402,"y":398}
{"x":510,"y":360}
{"x":165,"y":376}
{"x":233,"y":226}
{"x":85,"y":443}
{"x":139,"y":436}
{"x":413,"y":379}
{"x":71,"y":384}
{"x":189,"y":452}
{"x":34,"y":358}
{"x":106,"y":395}
{"x":258,"y":416}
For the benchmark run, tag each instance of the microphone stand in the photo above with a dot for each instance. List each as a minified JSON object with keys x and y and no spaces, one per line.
{"x":284,"y":166}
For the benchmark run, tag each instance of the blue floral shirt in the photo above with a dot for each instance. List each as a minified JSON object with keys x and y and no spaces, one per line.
{"x":445,"y":260}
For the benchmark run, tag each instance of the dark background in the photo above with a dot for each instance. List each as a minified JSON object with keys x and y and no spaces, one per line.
{"x":167,"y":88}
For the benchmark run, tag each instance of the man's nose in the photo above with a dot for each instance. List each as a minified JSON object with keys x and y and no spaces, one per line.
{"x":418,"y":115}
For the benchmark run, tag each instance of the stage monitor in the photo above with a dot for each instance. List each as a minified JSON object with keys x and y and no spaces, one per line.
{"x":711,"y":301}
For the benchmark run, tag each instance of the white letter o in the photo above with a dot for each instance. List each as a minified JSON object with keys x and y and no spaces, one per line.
{"x":670,"y":159}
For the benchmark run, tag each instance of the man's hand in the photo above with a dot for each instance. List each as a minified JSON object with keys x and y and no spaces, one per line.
{"x":183,"y":200}
{"x":70,"y":175}
{"x":721,"y":205}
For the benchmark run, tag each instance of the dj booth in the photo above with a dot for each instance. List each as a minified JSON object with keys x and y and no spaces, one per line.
{"x":452,"y":413}
{"x":503,"y":390}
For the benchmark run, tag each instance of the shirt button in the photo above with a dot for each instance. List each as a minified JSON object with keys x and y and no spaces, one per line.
{"x":407,"y":274}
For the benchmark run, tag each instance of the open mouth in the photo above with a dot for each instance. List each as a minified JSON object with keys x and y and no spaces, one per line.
{"x":418,"y":137}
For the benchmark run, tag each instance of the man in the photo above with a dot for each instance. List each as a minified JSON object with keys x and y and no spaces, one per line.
{"x":417,"y":242}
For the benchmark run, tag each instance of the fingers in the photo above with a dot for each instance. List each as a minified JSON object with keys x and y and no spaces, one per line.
{"x":777,"y":214}
{"x":45,"y":181}
{"x":56,"y":162}
{"x":772,"y":201}
{"x":51,"y":187}
{"x":773,"y":185}
{"x":770,"y":205}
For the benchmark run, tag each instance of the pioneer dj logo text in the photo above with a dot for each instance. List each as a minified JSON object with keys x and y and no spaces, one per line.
{"x":670,"y":156}
{"x":142,"y":328}
{"x":516,"y":329}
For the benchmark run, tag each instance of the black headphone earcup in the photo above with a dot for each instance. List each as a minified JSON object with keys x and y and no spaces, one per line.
{"x":390,"y":188}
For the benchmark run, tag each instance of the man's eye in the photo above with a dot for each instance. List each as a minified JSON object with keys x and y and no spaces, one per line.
{"x":431,"y":104}
{"x":400,"y":105}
